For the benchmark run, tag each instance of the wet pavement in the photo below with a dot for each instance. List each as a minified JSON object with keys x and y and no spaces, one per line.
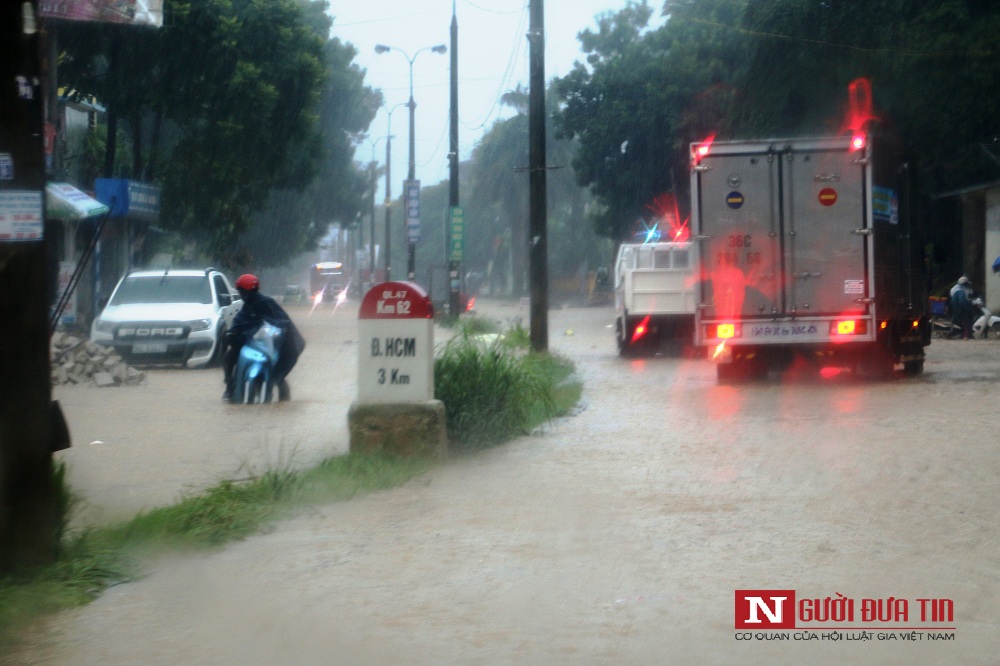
{"x":618,"y":535}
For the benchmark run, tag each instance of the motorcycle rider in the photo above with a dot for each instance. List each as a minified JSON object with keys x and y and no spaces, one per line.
{"x":257,"y":309}
{"x":962,"y":314}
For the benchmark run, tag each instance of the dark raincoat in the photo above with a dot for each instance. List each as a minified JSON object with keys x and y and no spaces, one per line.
{"x":257,"y":309}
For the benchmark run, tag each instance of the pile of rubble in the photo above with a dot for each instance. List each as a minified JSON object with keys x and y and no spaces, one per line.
{"x":79,"y":361}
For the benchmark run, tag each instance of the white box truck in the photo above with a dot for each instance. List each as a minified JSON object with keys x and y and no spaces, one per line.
{"x":654,"y":297}
{"x":810,"y":250}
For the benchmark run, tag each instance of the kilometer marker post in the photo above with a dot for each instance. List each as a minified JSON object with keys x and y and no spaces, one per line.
{"x":395,"y":411}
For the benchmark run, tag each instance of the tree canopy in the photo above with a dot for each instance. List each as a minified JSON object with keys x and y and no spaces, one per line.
{"x":640,"y":99}
{"x":754,"y":68}
{"x":230,"y":104}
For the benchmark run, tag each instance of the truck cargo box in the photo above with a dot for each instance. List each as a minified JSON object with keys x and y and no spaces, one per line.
{"x":654,"y":297}
{"x":809,"y":249}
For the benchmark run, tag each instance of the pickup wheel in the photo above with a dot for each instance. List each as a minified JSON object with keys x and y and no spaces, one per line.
{"x":620,"y":337}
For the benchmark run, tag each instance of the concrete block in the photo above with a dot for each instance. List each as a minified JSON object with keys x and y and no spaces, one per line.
{"x":410,"y":429}
{"x":104,"y":379}
{"x":119,"y":372}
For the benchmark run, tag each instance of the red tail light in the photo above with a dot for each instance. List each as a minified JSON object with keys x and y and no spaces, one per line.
{"x":471,"y":304}
{"x":641,"y":329}
{"x":849,"y":327}
{"x":702,"y":149}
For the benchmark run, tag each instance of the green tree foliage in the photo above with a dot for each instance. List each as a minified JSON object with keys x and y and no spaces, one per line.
{"x":642,"y":97}
{"x":247,"y":101}
{"x":233,"y":106}
{"x":497,"y":219}
{"x":745,"y":68}
{"x":295,"y":218}
{"x":497,"y":199}
{"x":494,"y":195}
{"x":933,"y":68}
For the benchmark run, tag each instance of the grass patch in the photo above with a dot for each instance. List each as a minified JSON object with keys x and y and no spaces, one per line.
{"x":566,"y":389}
{"x":494,"y":390}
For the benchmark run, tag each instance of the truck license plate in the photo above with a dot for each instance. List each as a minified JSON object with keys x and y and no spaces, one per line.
{"x":150,"y":348}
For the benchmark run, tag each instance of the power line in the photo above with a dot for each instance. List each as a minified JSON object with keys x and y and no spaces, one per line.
{"x":852,"y":47}
{"x":505,"y":80}
{"x":494,"y":11}
{"x":384,"y":19}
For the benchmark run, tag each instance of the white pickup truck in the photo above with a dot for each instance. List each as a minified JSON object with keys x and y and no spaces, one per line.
{"x":655,"y":297}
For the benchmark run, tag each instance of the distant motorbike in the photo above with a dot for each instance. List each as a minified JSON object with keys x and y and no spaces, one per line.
{"x":986,"y":323}
{"x":255,"y":380}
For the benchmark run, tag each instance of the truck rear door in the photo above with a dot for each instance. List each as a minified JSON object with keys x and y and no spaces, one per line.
{"x":737,"y":195}
{"x":778,"y":225}
{"x":823,"y":207}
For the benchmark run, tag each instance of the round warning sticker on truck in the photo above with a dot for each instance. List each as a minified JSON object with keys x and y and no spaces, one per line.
{"x":828,"y":196}
{"x":734,"y":200}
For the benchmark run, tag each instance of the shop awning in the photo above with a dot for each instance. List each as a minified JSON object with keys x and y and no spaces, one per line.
{"x":65,"y":202}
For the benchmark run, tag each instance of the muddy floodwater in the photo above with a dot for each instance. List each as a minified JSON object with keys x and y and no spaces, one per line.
{"x":618,"y":535}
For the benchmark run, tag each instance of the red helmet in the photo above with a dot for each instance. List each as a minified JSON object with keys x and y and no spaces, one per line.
{"x":247,"y":282}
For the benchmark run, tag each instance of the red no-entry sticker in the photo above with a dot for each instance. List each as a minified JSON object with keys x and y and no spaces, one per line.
{"x":828,"y":196}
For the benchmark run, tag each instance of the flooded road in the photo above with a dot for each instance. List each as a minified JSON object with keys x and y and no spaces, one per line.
{"x":616,"y":536}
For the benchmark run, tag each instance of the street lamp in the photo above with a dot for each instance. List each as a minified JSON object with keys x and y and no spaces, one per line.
{"x":371,"y":236}
{"x":387,"y":262}
{"x":411,"y":175}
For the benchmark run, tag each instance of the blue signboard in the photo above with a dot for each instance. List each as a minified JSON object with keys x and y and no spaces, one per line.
{"x":411,"y":199}
{"x":129,"y":198}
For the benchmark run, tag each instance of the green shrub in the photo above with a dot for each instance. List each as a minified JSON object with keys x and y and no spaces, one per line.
{"x":517,"y":336}
{"x":490,"y":392}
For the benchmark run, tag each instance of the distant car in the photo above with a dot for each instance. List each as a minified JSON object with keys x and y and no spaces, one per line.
{"x":168,"y":317}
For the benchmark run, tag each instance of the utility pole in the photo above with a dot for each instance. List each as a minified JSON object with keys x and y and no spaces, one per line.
{"x":388,"y":189}
{"x":366,"y":284}
{"x":454,"y":264}
{"x":537,"y":241}
{"x":412,"y":234}
{"x":28,"y":511}
{"x":388,"y":204}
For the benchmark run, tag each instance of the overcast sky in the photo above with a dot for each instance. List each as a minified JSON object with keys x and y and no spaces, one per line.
{"x":492,"y":59}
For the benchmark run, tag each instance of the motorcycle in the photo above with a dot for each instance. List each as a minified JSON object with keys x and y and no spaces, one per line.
{"x":255,"y":380}
{"x":986,"y":323}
